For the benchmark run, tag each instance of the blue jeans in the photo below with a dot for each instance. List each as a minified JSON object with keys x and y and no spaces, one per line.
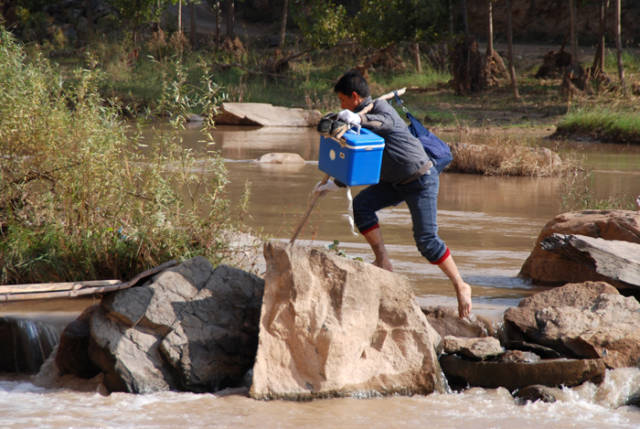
{"x":421,"y":196}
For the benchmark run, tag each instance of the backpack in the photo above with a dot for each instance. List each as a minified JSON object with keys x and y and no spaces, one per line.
{"x":438,"y":151}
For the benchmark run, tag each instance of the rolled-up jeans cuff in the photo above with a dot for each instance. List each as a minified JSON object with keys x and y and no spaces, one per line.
{"x":363,"y":231}
{"x":441,"y":259}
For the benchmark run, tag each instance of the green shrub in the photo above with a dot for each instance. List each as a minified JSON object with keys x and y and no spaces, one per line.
{"x":82,"y":199}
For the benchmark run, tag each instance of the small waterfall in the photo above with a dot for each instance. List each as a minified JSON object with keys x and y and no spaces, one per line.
{"x":25,"y":344}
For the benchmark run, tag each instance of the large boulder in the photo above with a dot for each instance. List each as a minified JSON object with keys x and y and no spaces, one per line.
{"x":589,"y":320}
{"x":556,"y":268}
{"x":191,"y":327}
{"x":331,"y":326}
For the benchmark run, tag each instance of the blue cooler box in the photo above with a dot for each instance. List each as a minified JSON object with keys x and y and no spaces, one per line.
{"x":354,"y":161}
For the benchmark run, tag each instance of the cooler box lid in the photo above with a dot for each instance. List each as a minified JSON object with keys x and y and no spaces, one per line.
{"x":366,"y":140}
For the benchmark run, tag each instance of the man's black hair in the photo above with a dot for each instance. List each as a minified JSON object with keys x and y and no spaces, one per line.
{"x":352,"y":81}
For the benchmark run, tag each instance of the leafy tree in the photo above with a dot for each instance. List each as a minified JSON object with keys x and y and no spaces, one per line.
{"x":136,"y":12}
{"x":323,"y":23}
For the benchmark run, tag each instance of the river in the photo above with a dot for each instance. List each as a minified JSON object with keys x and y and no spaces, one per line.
{"x":490,"y":224}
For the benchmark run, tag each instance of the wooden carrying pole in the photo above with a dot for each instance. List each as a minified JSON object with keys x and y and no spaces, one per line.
{"x":312,"y":204}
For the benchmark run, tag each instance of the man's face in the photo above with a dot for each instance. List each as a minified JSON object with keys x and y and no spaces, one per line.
{"x":349,"y":101}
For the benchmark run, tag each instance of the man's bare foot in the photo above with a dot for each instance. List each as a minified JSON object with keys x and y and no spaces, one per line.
{"x":385,"y":264}
{"x":463,"y":293}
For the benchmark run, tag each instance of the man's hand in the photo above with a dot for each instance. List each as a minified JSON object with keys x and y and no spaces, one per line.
{"x":323,"y":188}
{"x":353,"y":119}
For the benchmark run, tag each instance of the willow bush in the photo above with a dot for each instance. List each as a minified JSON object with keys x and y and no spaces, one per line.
{"x":82,"y":199}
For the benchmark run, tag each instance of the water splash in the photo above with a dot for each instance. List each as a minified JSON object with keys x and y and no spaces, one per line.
{"x":28,"y":344}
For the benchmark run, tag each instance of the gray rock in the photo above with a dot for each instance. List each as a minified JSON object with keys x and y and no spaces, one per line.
{"x":191,"y":327}
{"x":72,"y":356}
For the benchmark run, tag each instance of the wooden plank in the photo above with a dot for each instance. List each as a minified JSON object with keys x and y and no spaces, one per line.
{"x":51,"y":287}
{"x":83,"y":288}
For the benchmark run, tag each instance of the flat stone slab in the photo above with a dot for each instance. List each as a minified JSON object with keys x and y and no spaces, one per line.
{"x":516,"y":375}
{"x":266,"y":115}
{"x":617,"y":261}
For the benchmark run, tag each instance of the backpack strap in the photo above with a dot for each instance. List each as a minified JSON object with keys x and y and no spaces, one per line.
{"x":399,"y":101}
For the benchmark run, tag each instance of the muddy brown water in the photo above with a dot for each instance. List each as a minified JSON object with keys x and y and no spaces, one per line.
{"x":490,"y":224}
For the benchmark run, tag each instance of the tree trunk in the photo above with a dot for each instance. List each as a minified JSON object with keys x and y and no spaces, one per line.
{"x":193,"y":24}
{"x":283,"y":24}
{"x":489,"y":28}
{"x":89,"y":12}
{"x":231,"y":18}
{"x":451,"y":20}
{"x":180,"y":16}
{"x":598,"y":61}
{"x":619,"y":44}
{"x":512,"y":70}
{"x":218,"y":23}
{"x":416,"y":53}
{"x":573,"y":39}
{"x":465,"y":18}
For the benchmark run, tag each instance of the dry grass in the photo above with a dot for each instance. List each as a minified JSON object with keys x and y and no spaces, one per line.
{"x":507,"y":157}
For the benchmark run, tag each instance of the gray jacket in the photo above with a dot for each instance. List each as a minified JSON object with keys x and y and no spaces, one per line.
{"x":403,"y":154}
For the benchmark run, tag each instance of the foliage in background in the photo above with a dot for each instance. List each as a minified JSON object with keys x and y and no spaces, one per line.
{"x":78,"y":198}
{"x":382,"y":23}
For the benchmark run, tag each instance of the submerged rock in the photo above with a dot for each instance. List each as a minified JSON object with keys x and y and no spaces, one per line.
{"x":331,"y":326}
{"x":538,"y":392}
{"x":281,"y":158}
